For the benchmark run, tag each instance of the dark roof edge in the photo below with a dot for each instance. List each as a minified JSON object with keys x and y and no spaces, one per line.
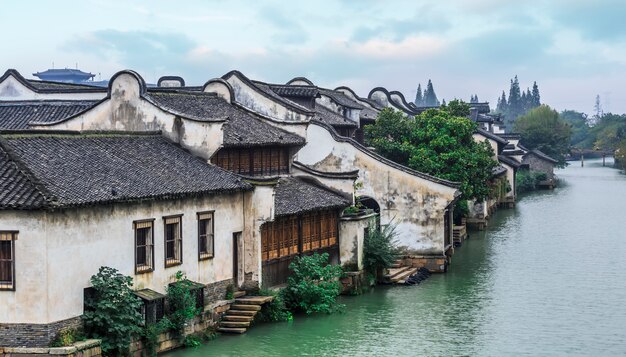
{"x":282,"y":100}
{"x":491,"y":136}
{"x":388,"y":162}
{"x":370,"y":102}
{"x":509,"y":161}
{"x":265,"y":117}
{"x":303,"y":79}
{"x":71,"y":116}
{"x":407,"y":110}
{"x":78,"y":132}
{"x":171,"y":78}
{"x":542,"y":155}
{"x":326,"y":174}
{"x":48,"y":197}
{"x":18,"y":76}
{"x":314,"y":181}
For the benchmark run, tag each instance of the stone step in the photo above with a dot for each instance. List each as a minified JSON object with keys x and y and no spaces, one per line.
{"x":237,"y":318}
{"x":238,"y":294}
{"x":402,"y":279}
{"x":232,"y":330}
{"x":245,"y":307}
{"x":254,"y":300}
{"x":394,"y":272}
{"x":241,"y":312}
{"x":234,"y":323}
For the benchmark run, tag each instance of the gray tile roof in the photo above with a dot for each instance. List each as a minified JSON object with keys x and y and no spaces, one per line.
{"x":509,"y":161}
{"x":327,"y":116}
{"x":295,"y":195}
{"x":17,"y":115}
{"x":295,"y":90}
{"x":199,"y":106}
{"x":341,"y":99}
{"x":498,"y":170}
{"x":74,"y":169}
{"x":241,"y":129}
{"x":16,"y":190}
{"x":245,"y":130}
{"x":267,"y":89}
{"x":541,"y":155}
{"x":368,"y":113}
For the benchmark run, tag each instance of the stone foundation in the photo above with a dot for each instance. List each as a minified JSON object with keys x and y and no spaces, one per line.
{"x":355,"y":282}
{"x":34,"y":335}
{"x":88,"y":348}
{"x":434,"y":264}
{"x":216,"y":291}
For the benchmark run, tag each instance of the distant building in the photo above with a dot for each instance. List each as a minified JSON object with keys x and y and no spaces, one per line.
{"x":65,"y":75}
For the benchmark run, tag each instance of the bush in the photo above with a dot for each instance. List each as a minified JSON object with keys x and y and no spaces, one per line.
{"x":314,"y":285}
{"x":112,"y":312}
{"x":379,"y":249}
{"x":67,"y":337}
{"x":182,"y":304}
{"x":274,"y":311}
{"x":151,"y":334}
{"x":526,"y":181}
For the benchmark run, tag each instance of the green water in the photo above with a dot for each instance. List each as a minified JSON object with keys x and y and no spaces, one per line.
{"x":548,"y":278}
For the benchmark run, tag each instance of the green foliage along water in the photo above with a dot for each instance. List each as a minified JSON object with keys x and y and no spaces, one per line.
{"x":438,"y":142}
{"x":543,"y":129}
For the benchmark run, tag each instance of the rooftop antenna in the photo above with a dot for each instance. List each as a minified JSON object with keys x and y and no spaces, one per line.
{"x":52,"y":64}
{"x":76,"y":65}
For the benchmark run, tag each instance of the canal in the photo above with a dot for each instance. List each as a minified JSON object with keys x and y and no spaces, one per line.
{"x":548,"y":278}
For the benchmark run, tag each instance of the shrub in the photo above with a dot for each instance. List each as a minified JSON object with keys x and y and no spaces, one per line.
{"x":274,"y":311}
{"x":151,"y":334}
{"x":67,"y":337}
{"x":182,"y":304}
{"x":314,"y":285}
{"x":112,"y":311}
{"x":379,"y":249}
{"x":526,"y":181}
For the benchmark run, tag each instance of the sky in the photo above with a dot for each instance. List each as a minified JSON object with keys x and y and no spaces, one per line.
{"x":574,"y":49}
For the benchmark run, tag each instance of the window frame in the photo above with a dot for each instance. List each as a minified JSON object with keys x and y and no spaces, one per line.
{"x":151,"y":266}
{"x":179,"y":261}
{"x":13,"y":238}
{"x":205,"y":255}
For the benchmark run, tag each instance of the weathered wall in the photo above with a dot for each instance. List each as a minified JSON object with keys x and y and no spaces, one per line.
{"x":57,"y":256}
{"x":352,"y":233}
{"x":127,"y":111}
{"x":260,"y":208}
{"x":494,"y":145}
{"x":539,"y":165}
{"x":250,"y":98}
{"x":12,"y":89}
{"x":345,"y":185}
{"x":414,"y":204}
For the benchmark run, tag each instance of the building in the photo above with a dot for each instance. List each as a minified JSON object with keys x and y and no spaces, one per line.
{"x":66,"y":75}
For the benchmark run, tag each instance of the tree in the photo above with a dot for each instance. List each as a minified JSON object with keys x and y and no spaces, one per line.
{"x":541,"y":128}
{"x":515,"y":100}
{"x":536,"y":98}
{"x":112,"y":311}
{"x":419,"y":99}
{"x":502,"y":107}
{"x":580,"y":129}
{"x":430,"y":98}
{"x":438,"y":142}
{"x":597,"y":110}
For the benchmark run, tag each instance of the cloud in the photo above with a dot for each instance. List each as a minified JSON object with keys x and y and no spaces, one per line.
{"x":598,"y":21}
{"x":286,"y":29}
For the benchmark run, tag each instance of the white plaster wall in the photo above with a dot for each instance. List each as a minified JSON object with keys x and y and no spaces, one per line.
{"x":57,"y":255}
{"x":510,"y":176}
{"x":127,"y":111}
{"x":28,"y":302}
{"x":414,"y":204}
{"x":250,"y":98}
{"x":260,"y":209}
{"x":494,"y":145}
{"x":356,"y":99}
{"x":12,"y":89}
{"x":343,"y":185}
{"x":352,"y":233}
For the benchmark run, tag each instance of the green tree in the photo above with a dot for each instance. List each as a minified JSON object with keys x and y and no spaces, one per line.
{"x":419,"y":98}
{"x":438,"y":142}
{"x":580,"y":129}
{"x":112,"y":311}
{"x":502,"y":104}
{"x":430,"y":98}
{"x":536,"y":97}
{"x":542,"y":129}
{"x":313,"y":285}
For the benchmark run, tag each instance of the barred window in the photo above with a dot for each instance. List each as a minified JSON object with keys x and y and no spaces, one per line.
{"x":144,"y":246}
{"x":173,"y":241}
{"x":206,"y":241}
{"x":7,"y":260}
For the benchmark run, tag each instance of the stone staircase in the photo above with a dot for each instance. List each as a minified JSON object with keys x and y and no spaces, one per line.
{"x":238,"y":318}
{"x":399,"y":273}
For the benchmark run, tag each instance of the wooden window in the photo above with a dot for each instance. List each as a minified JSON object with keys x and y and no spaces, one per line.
{"x":144,"y":246}
{"x":7,"y":260}
{"x":206,"y":237}
{"x":173,"y":240}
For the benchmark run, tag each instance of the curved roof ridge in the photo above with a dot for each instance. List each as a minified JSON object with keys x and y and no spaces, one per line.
{"x":28,"y":83}
{"x":302,"y":79}
{"x":378,"y":157}
{"x":327,"y":174}
{"x":255,"y":84}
